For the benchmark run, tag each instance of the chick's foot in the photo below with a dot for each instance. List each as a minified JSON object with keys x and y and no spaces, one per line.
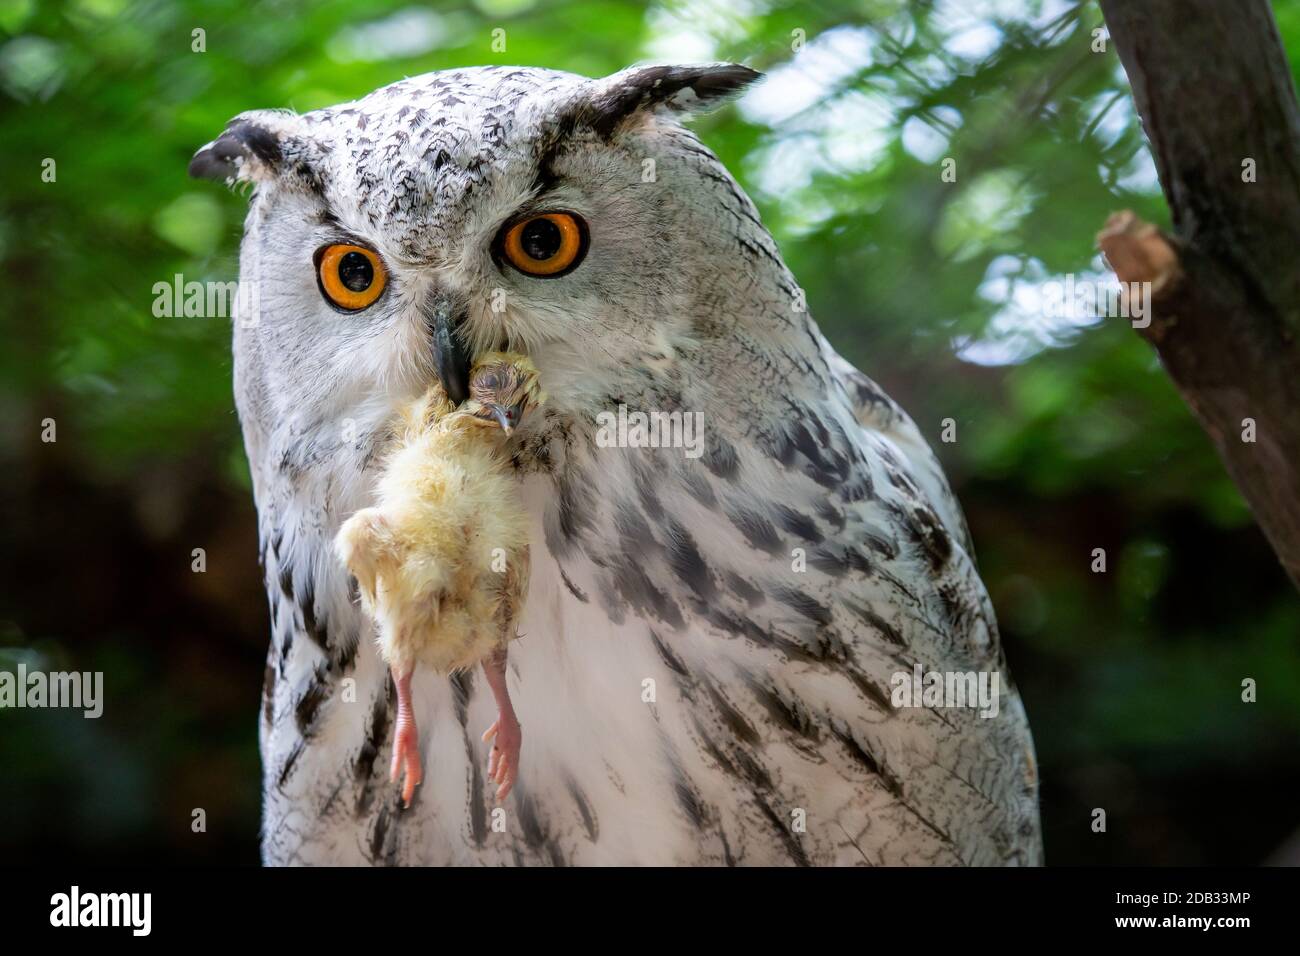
{"x":406,"y":742}
{"x":507,"y":738}
{"x":506,"y":734}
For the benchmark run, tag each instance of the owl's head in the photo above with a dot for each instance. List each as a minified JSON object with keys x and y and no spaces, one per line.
{"x":452,"y":214}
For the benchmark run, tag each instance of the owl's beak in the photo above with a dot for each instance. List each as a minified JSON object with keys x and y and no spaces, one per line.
{"x":450,"y":357}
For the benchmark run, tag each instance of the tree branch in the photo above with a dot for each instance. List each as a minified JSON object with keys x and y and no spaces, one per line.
{"x":1213,"y":87}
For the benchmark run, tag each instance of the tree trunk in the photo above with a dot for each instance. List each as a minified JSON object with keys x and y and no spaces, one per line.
{"x":1215,"y":93}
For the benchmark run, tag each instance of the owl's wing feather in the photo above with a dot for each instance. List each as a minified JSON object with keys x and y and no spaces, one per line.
{"x":876,"y":412}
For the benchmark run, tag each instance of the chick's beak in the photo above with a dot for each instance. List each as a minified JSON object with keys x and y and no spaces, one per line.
{"x":507,"y":416}
{"x":451,"y":359}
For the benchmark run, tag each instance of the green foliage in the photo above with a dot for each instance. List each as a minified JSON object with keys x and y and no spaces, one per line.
{"x":1070,"y":436}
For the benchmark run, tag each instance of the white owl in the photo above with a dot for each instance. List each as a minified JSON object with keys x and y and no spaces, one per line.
{"x":715,"y":641}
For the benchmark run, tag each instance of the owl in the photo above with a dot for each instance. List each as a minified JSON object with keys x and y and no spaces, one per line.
{"x":740,"y":646}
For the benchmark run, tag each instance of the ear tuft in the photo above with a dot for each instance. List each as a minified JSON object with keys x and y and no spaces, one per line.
{"x":680,"y":88}
{"x":250,"y":150}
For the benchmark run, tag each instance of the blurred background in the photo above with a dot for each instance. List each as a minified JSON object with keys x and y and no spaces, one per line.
{"x":1069,"y":435}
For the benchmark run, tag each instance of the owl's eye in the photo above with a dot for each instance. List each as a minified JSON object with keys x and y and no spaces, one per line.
{"x":546,"y":245}
{"x":351,"y":277}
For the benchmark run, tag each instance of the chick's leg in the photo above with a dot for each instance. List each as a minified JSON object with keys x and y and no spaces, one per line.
{"x":506,"y":734}
{"x":406,"y":739}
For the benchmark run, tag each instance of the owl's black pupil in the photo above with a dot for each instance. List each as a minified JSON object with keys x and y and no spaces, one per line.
{"x":356,"y":272}
{"x":540,"y":239}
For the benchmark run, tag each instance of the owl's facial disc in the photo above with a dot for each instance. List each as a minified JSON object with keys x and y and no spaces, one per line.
{"x":352,"y":277}
{"x":426,"y":198}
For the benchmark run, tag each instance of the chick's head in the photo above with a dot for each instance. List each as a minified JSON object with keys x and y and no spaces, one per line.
{"x":503,"y":388}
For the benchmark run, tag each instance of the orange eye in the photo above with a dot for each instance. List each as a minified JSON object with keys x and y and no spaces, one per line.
{"x":351,"y":276}
{"x":546,"y":245}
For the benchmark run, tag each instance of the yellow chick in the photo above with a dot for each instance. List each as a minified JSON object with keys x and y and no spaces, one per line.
{"x":441,"y":562}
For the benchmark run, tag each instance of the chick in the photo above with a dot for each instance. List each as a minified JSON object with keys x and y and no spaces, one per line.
{"x":441,"y":562}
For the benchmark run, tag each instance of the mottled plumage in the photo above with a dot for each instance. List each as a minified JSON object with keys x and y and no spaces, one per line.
{"x":709,"y":642}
